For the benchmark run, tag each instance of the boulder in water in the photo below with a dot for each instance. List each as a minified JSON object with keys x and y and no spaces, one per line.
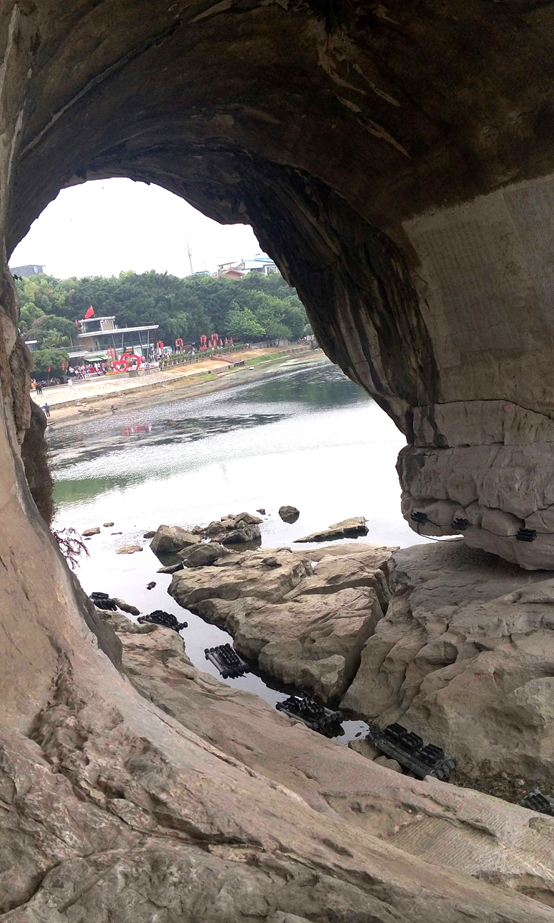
{"x":347,"y":528}
{"x":171,"y":539}
{"x":203,"y":554}
{"x":289,"y":513}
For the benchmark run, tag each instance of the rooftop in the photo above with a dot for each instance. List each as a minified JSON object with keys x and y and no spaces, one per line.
{"x":103,"y":333}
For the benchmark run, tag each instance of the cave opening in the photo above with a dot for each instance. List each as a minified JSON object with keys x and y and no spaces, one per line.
{"x":188,"y":461}
{"x":397,"y":165}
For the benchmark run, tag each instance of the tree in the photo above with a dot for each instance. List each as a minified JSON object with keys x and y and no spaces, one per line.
{"x":49,"y":358}
{"x":53,"y":331}
{"x":29,"y":313}
{"x":183,"y":308}
{"x":242,"y":324}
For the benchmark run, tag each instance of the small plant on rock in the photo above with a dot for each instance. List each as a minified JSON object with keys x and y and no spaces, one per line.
{"x":71,"y":545}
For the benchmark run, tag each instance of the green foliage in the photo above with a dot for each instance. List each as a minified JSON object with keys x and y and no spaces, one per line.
{"x":252,"y":308}
{"x":243,"y":325}
{"x":43,"y":358}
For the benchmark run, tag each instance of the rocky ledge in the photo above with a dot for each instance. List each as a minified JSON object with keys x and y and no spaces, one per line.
{"x":448,"y":829}
{"x":453,"y":642}
{"x":305,"y":616}
{"x":466,"y":651}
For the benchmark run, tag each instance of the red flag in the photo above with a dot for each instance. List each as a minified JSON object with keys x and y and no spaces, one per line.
{"x":89,"y":313}
{"x":76,"y":323}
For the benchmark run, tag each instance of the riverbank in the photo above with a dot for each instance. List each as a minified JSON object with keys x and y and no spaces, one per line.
{"x":67,"y":408}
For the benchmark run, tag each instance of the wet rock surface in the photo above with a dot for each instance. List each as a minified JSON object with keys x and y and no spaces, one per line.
{"x":240,"y":529}
{"x":289,"y":513}
{"x":348,"y":528}
{"x":170,"y":539}
{"x":305,"y":626}
{"x":203,"y":554}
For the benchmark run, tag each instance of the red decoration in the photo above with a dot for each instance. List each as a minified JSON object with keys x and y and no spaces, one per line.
{"x":179,"y":345}
{"x":203,"y":339}
{"x":89,"y":313}
{"x":122,"y":364}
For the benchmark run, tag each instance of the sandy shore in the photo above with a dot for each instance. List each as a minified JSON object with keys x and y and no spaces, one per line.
{"x":94,"y":399}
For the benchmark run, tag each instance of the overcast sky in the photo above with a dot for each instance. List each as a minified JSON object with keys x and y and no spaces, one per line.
{"x":105,"y":227}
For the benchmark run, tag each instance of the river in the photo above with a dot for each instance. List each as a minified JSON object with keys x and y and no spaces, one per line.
{"x":304,"y":435}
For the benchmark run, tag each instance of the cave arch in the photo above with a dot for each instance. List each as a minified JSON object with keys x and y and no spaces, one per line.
{"x":412,"y":219}
{"x":396,"y":160}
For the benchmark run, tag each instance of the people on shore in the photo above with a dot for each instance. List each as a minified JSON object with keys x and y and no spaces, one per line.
{"x":46,"y":409}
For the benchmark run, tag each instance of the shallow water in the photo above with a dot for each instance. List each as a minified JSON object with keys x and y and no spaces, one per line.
{"x":304,"y":435}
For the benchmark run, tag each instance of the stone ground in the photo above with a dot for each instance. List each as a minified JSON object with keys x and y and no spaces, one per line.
{"x":454,"y":643}
{"x":461,"y":830}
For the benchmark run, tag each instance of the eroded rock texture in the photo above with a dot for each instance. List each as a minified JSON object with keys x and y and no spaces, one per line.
{"x":465,"y":655}
{"x":304,"y":627}
{"x":395,"y":159}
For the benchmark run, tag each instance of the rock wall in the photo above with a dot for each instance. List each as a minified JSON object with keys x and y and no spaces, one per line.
{"x":342,"y":134}
{"x":397,"y":162}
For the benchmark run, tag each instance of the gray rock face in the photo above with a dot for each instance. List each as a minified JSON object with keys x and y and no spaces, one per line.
{"x":305,"y":628}
{"x":348,"y":528}
{"x":170,"y":539}
{"x":203,"y":554}
{"x":465,"y":656}
{"x":336,"y":782}
{"x":417,"y":226}
{"x":289,"y":513}
{"x":234,"y":530}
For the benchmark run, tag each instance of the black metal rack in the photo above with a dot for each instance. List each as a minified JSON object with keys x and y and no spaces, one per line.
{"x":536,"y":801}
{"x":227,"y":661}
{"x":409,"y":750}
{"x":103,"y":601}
{"x":159,"y":617}
{"x":314,"y":715}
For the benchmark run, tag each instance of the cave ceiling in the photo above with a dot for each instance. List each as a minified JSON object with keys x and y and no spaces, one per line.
{"x":394,"y":158}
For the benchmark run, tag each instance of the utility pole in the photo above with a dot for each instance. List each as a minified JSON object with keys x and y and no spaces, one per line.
{"x":189,"y":251}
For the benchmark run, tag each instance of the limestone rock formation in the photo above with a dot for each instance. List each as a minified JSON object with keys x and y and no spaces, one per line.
{"x":170,"y":539}
{"x":465,"y":652}
{"x":457,"y":829}
{"x":205,"y":553}
{"x":234,"y":530}
{"x":305,"y":628}
{"x":396,"y":160}
{"x":289,"y":513}
{"x":129,"y":549}
{"x":348,"y":528}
